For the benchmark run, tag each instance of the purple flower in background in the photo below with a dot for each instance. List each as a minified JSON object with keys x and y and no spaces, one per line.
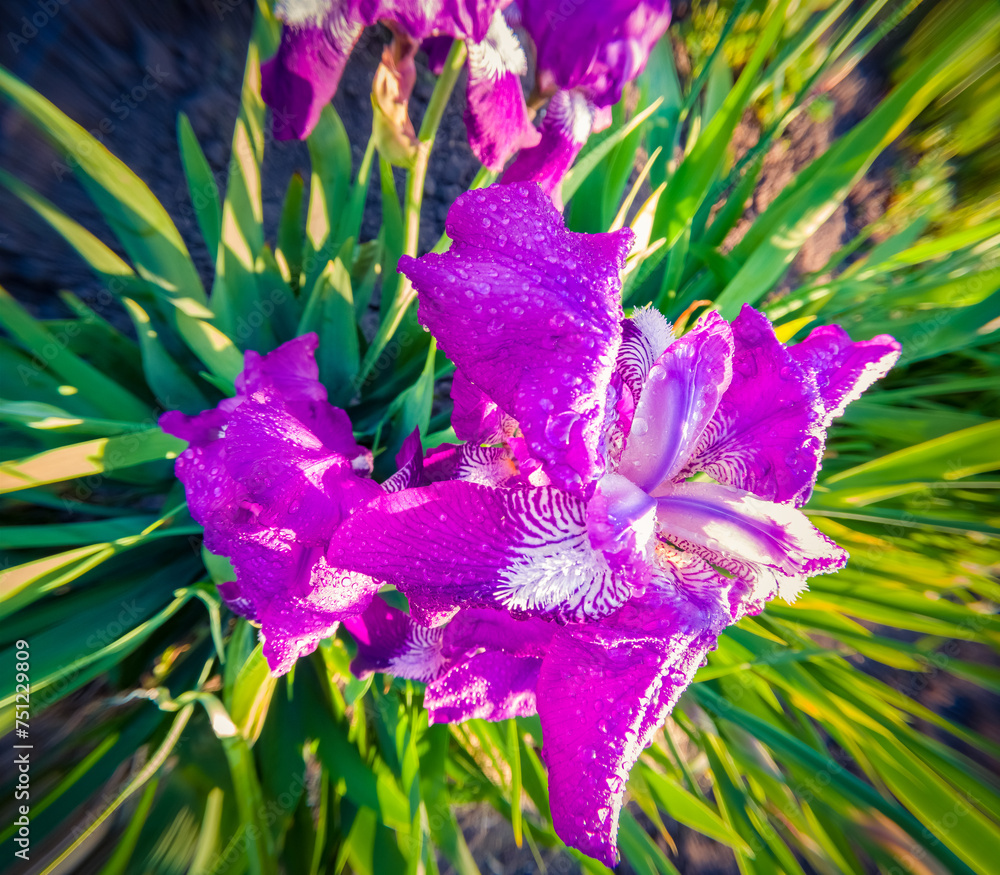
{"x":585,"y":53}
{"x":270,"y":474}
{"x":573,"y":537}
{"x":318,"y":38}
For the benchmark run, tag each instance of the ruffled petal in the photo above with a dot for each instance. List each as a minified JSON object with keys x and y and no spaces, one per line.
{"x":526,"y":550}
{"x":303,"y":76}
{"x":569,"y":119}
{"x":389,"y":641}
{"x":270,"y":475}
{"x":767,"y":433}
{"x":530,"y":313}
{"x":496,"y":115}
{"x":679,"y":398}
{"x":842,"y":368}
{"x":488,"y":686}
{"x":603,"y":690}
{"x":767,"y":545}
{"x":594,"y":45}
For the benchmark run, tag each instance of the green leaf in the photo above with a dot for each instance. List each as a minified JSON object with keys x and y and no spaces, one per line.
{"x":100,"y":456}
{"x":51,"y":352}
{"x":202,"y":188}
{"x":330,"y":313}
{"x":135,"y":216}
{"x":290,"y":231}
{"x":173,"y":388}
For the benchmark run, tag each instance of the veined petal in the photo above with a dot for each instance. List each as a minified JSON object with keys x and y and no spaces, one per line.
{"x":679,"y":398}
{"x":389,"y":641}
{"x":488,"y":686}
{"x":410,"y":462}
{"x":303,"y":76}
{"x":645,"y":336}
{"x":569,"y":119}
{"x":749,"y":537}
{"x":842,"y":368}
{"x":496,"y":115}
{"x":767,"y":433}
{"x":603,"y":690}
{"x":488,"y":466}
{"x":527,"y":550}
{"x":530,"y":313}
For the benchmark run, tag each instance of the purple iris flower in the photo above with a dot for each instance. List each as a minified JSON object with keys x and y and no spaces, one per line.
{"x":586,"y":51}
{"x":622,"y":496}
{"x":270,"y":474}
{"x":318,"y":37}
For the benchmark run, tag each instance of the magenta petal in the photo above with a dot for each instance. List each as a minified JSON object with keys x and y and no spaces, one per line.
{"x":488,"y":686}
{"x":475,"y":417}
{"x":526,"y":550}
{"x":496,"y":115}
{"x":768,"y":545}
{"x":410,"y":465}
{"x":389,"y":641}
{"x":767,"y":434}
{"x":488,"y":466}
{"x":569,"y":119}
{"x":270,"y":475}
{"x":678,"y":400}
{"x":303,"y":76}
{"x":645,"y":336}
{"x":480,"y":628}
{"x":603,"y":691}
{"x":843,"y":369}
{"x":594,"y":45}
{"x":530,"y":313}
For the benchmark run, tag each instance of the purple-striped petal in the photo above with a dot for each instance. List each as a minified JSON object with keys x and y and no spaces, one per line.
{"x":842,"y":368}
{"x":488,"y":686}
{"x":645,"y":337}
{"x":496,"y":115}
{"x":488,"y":466}
{"x":303,"y":76}
{"x":569,"y":119}
{"x":389,"y":641}
{"x":477,"y":629}
{"x":767,"y":434}
{"x":530,"y":313}
{"x":410,"y":465}
{"x":770,"y":546}
{"x":679,"y":398}
{"x":526,"y":550}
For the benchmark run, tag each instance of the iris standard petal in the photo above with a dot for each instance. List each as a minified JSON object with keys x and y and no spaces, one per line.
{"x":526,"y":550}
{"x":767,"y":433}
{"x":496,"y":115}
{"x":751,"y":538}
{"x":843,"y":368}
{"x":679,"y":397}
{"x":530,"y":313}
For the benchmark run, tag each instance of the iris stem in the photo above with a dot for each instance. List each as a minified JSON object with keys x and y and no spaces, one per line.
{"x":413,"y":199}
